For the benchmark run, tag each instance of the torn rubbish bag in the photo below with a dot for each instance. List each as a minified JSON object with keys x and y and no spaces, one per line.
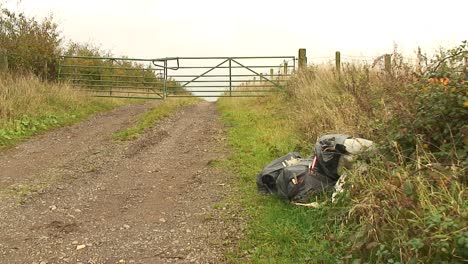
{"x":293,"y":177}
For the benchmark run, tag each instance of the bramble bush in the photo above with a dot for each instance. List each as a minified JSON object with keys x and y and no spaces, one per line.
{"x":438,"y":110}
{"x":410,"y":206}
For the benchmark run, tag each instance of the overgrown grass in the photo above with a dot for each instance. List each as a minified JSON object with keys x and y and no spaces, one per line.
{"x":259,"y":131}
{"x":29,"y":106}
{"x":150,"y":118}
{"x":403,"y":215}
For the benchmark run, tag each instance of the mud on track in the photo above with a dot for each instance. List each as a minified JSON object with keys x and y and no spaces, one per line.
{"x":75,"y":195}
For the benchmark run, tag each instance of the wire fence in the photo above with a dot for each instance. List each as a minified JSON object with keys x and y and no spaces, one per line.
{"x":353,"y":59}
{"x":382,"y":62}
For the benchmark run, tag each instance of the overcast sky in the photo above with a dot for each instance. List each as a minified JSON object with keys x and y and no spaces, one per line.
{"x":154,"y":28}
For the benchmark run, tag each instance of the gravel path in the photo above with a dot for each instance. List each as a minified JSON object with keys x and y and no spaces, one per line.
{"x":76,"y":196}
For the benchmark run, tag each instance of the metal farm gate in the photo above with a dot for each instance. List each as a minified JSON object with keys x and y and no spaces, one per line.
{"x":177,"y":77}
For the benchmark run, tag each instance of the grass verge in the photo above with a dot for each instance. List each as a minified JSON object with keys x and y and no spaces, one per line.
{"x":150,"y":118}
{"x":407,"y":205}
{"x":29,"y":106}
{"x":389,"y":213}
{"x":258,"y":132}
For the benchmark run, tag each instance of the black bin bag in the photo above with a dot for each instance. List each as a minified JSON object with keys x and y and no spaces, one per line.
{"x":293,"y":177}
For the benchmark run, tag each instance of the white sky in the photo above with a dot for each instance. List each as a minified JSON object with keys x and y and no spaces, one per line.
{"x":155,"y":28}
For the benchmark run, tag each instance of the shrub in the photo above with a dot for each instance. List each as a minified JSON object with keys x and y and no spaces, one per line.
{"x":438,"y":109}
{"x":410,"y":206}
{"x":31,"y":45}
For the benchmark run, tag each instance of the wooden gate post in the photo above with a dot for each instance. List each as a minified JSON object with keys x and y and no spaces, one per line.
{"x":302,"y":59}
{"x":3,"y":60}
{"x":388,"y":62}
{"x":338,"y":62}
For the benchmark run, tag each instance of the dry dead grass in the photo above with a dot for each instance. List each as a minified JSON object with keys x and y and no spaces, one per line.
{"x":28,"y":95}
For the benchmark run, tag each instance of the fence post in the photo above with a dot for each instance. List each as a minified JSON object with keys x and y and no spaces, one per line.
{"x":338,"y":62}
{"x":272,"y":74}
{"x":230,"y":77}
{"x":302,"y":59}
{"x":3,"y":60}
{"x":285,"y":68}
{"x":388,"y":62}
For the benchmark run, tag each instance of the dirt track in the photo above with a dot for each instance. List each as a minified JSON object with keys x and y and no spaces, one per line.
{"x":74,"y":195}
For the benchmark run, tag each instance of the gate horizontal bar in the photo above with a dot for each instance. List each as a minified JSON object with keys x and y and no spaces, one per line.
{"x":117,"y":87}
{"x":221,"y":81}
{"x":233,"y":67}
{"x":227,"y":58}
{"x":115,"y":91}
{"x":221,"y":86}
{"x":234,"y":75}
{"x":266,"y":84}
{"x":108,"y":75}
{"x":109,"y":81}
{"x":107,"y":67}
{"x":244,"y":95}
{"x":103,"y":58}
{"x":128,"y":97}
{"x":175,"y":58}
{"x":225,"y":91}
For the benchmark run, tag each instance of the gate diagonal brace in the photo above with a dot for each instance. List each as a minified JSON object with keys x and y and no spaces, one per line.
{"x":203,"y":74}
{"x":261,"y":76}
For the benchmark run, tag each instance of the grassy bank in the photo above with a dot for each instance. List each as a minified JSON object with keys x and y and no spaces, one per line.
{"x":150,"y":118}
{"x":29,"y":106}
{"x":260,"y":131}
{"x":409,"y":206}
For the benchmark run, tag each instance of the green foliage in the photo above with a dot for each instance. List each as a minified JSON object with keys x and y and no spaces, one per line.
{"x":18,"y":129}
{"x":438,"y":111}
{"x":406,"y":215}
{"x":26,"y":125}
{"x":31,"y":45}
{"x":29,"y":106}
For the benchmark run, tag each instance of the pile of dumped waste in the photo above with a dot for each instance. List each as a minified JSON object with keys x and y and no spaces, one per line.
{"x":294,"y":178}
